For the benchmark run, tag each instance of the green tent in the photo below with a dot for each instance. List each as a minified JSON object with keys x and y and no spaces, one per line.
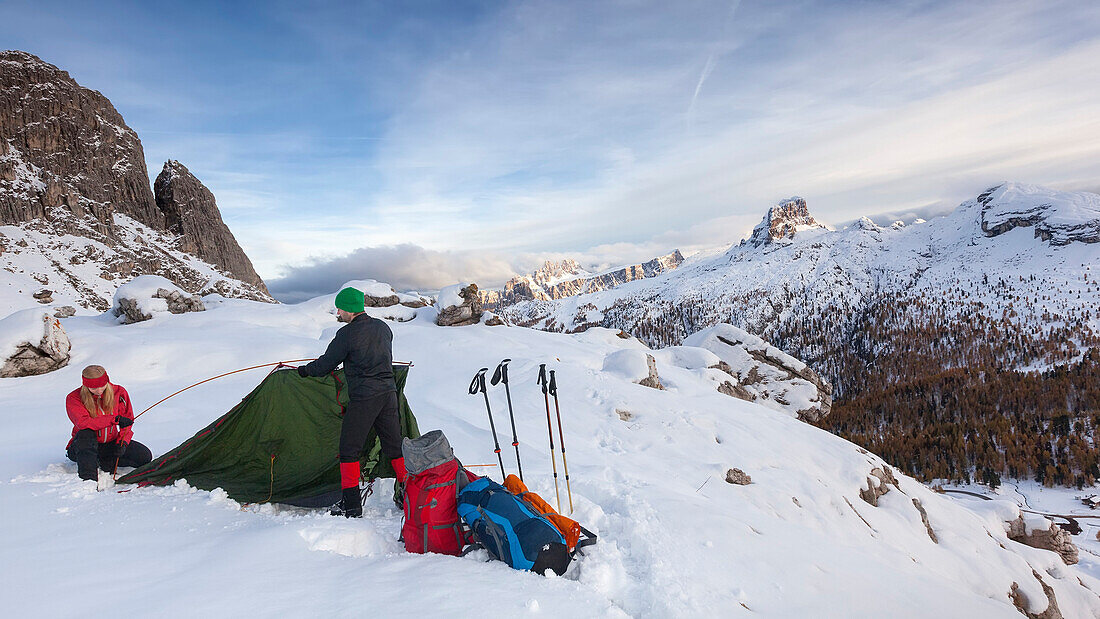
{"x":279,"y":444}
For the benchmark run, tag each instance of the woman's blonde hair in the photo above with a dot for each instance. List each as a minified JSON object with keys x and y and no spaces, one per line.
{"x":106,"y":404}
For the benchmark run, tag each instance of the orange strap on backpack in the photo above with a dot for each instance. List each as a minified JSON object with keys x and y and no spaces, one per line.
{"x":570,"y":529}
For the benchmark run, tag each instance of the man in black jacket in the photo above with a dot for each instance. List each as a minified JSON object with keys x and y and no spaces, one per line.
{"x":364,"y":346}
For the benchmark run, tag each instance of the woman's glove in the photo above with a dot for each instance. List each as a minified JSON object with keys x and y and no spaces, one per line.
{"x":120,"y":448}
{"x":123,"y":421}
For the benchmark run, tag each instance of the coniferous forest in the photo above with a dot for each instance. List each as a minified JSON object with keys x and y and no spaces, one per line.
{"x":992,"y":379}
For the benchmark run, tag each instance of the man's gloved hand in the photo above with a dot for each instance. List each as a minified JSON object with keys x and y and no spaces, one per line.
{"x":302,"y":371}
{"x":123,"y":421}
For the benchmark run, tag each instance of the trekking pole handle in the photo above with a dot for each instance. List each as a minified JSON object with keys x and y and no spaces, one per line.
{"x":477,"y":385}
{"x":553,"y":386}
{"x":501,"y":375}
{"x":542,"y":378}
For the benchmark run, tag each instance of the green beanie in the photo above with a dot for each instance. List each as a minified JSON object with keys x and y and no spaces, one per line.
{"x":350,"y":300}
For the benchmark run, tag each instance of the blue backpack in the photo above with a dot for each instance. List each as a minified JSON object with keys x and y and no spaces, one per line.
{"x":510,"y":530}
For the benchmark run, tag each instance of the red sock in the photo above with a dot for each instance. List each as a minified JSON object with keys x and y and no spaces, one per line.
{"x":399,"y":468}
{"x":349,"y":474}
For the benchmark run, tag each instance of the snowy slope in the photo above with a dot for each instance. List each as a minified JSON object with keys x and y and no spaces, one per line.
{"x":83,"y":267}
{"x":647,"y":471}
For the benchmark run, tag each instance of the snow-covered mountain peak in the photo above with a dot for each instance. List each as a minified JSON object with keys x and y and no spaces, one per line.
{"x":782,"y":222}
{"x":1059,"y":217}
{"x":552,"y":272}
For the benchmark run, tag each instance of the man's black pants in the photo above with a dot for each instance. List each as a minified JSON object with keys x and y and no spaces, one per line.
{"x":379,"y":412}
{"x":91,"y":455}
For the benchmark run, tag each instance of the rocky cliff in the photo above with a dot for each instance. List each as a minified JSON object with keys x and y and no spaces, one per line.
{"x":190,"y":211}
{"x":66,"y":145}
{"x":77,"y":213}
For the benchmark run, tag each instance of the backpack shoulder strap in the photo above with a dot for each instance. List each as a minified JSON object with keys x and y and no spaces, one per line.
{"x":590,"y":539}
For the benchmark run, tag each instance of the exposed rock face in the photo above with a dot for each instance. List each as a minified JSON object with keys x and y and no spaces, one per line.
{"x":1060,"y":218}
{"x":782,"y":222}
{"x":71,"y":171}
{"x":556,"y":280}
{"x":191,"y":212}
{"x":459,"y":306}
{"x":738,"y":477}
{"x":42,"y":345}
{"x":760,"y":372}
{"x":65,"y":145}
{"x":1054,"y":539}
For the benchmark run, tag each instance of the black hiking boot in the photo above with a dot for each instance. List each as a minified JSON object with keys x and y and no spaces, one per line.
{"x":351,"y":506}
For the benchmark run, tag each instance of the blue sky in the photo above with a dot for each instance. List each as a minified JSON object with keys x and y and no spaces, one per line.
{"x":425,"y":143}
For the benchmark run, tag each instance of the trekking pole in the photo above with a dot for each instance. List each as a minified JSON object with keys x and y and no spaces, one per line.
{"x":561,"y":437}
{"x":501,"y":376}
{"x":549,"y":430}
{"x":478,"y":384}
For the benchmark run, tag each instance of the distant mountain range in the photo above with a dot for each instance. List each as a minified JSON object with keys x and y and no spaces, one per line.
{"x":996,"y":256}
{"x":77,"y":214}
{"x":557,"y":280}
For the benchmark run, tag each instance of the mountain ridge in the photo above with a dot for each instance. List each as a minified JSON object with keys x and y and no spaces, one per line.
{"x":74,"y":189}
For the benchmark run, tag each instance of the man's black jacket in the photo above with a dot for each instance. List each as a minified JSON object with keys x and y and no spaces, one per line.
{"x":365,"y":347}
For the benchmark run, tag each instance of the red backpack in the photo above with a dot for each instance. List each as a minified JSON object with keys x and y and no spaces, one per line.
{"x":434,"y":479}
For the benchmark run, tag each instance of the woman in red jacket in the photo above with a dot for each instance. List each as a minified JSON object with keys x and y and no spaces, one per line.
{"x":102,"y":415}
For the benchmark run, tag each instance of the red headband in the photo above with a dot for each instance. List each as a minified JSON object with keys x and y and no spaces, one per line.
{"x":95,"y":383}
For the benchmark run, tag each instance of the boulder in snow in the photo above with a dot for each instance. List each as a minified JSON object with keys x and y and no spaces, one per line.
{"x":738,"y":477}
{"x":32,"y":342}
{"x":148,"y":295}
{"x":762,"y":373}
{"x":458,"y":305}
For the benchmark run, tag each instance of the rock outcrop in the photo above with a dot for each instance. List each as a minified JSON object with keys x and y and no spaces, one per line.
{"x":191,"y":212}
{"x":878,"y":484}
{"x":1053,"y":538}
{"x":653,"y":380}
{"x":75,"y":189}
{"x":637,"y":366}
{"x":458,"y":306}
{"x":1021,"y":602}
{"x":148,"y":295}
{"x":760,"y":372}
{"x":33,"y":343}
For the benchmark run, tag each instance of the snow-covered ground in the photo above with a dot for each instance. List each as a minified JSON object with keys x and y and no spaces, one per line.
{"x":647,"y":471}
